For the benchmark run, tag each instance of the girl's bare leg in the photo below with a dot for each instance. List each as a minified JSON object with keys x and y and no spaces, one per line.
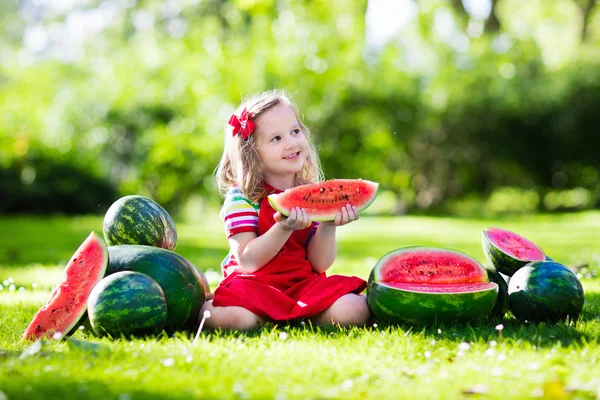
{"x":233,"y":317}
{"x":349,"y":310}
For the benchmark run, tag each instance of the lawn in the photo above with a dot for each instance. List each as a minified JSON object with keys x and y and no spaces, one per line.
{"x":502,"y":358}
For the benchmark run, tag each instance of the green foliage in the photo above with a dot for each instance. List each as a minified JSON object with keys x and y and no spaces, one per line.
{"x":452,"y":107}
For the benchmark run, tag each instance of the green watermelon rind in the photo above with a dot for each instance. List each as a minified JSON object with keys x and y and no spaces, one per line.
{"x":503,"y":262}
{"x":391,"y":305}
{"x":127,"y":304}
{"x":181,"y":281}
{"x":136,"y":219}
{"x":533,"y":302}
{"x":501,"y":307}
{"x":75,"y":313}
{"x":323,"y":217}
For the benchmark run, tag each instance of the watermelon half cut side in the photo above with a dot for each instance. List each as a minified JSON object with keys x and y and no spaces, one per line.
{"x":68,"y":301}
{"x":425,"y":285}
{"x":509,"y":251}
{"x":323,"y":200}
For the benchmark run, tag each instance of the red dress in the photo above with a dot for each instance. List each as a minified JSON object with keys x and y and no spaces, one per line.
{"x":287,"y":287}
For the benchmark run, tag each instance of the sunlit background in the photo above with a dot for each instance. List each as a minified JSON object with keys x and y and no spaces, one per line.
{"x":473,"y":107}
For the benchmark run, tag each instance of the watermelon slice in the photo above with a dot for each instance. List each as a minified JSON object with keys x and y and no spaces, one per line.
{"x":509,"y":251}
{"x":324,"y":200}
{"x":68,"y":301}
{"x":423,"y":285}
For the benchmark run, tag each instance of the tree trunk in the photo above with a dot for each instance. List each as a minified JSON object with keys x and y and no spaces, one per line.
{"x":493,"y":23}
{"x":586,"y":10}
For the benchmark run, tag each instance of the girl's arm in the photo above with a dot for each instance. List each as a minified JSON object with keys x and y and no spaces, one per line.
{"x":322,"y":248}
{"x":252,"y":252}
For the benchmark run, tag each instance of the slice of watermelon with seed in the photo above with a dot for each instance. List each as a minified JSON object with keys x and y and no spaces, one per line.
{"x":68,"y":301}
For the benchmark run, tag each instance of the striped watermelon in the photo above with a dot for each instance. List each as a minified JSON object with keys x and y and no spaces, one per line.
{"x":545,"y":291}
{"x":181,"y":281}
{"x":127,"y":304}
{"x":139,"y":220}
{"x":67,"y":302}
{"x":423,"y":285}
{"x":323,"y":200}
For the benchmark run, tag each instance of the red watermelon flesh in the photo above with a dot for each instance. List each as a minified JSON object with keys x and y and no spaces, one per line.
{"x":323,"y":200}
{"x":515,"y":245}
{"x":432,"y":266}
{"x":68,"y":301}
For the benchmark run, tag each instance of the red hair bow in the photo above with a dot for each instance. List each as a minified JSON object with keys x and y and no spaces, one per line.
{"x":242,"y":124}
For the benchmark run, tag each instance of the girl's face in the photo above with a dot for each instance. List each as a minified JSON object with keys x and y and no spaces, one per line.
{"x":281,"y":144}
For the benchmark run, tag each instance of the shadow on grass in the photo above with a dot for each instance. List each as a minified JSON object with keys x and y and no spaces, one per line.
{"x":508,"y":329}
{"x":541,"y":334}
{"x":58,"y":386}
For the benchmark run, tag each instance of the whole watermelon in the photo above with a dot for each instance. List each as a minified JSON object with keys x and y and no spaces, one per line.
{"x":127,"y":304}
{"x":545,"y":291}
{"x":139,"y":220}
{"x":182,"y":282}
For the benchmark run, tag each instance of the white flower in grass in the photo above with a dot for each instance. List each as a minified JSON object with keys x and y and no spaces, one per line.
{"x":464,"y":346}
{"x":490,"y":352}
{"x":537,"y":392}
{"x":534,"y":366}
{"x":168,"y":362}
{"x":57,"y":335}
{"x":283,"y":335}
{"x":427,"y":354}
{"x":493,"y":343}
{"x":347,"y":384}
{"x":500,"y":327}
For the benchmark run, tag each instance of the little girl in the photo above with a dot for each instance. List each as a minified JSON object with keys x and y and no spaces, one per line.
{"x":275,"y":270}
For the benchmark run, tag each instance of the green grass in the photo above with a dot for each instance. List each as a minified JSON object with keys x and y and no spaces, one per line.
{"x":520,"y":361}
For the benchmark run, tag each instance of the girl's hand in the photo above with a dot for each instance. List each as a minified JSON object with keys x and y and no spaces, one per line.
{"x":346,"y":215}
{"x":297,"y":220}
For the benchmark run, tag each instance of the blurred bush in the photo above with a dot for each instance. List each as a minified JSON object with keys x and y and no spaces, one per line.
{"x":46,"y":184}
{"x":456,"y":111}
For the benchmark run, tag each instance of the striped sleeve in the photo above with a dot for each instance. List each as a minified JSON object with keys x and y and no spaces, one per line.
{"x":238,"y":213}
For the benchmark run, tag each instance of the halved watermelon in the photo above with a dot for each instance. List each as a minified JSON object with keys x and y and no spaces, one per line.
{"x":324,"y":200}
{"x":68,"y":301}
{"x":427,"y":285}
{"x":509,"y":251}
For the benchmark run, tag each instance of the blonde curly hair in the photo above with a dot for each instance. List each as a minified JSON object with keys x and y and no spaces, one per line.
{"x":241,"y":165}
